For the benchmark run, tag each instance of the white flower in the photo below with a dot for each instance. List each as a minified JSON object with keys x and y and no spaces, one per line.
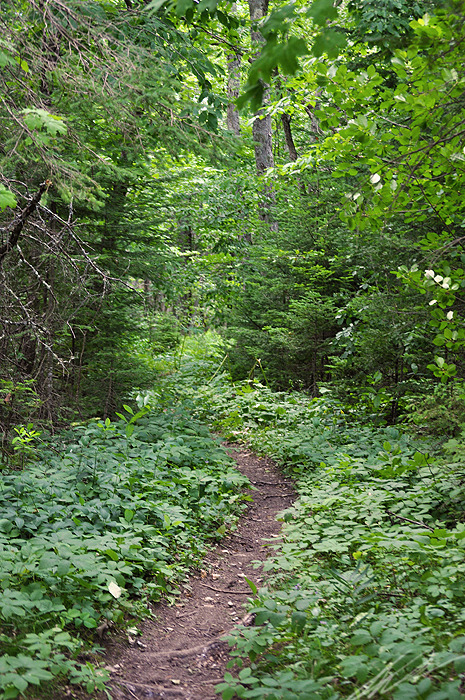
{"x":438,"y":278}
{"x":450,"y":315}
{"x":433,"y":301}
{"x":429,"y":273}
{"x":375,"y":178}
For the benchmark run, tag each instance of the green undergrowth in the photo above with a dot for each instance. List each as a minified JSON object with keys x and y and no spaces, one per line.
{"x":95,"y":524}
{"x":367,"y":589}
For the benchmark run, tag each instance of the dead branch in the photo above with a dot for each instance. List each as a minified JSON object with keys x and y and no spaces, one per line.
{"x":407,"y":520}
{"x":13,"y":231}
{"x":221,"y":590}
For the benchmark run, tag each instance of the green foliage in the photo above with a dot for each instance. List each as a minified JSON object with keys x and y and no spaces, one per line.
{"x":416,"y":127}
{"x":366,"y":591}
{"x":445,"y":305}
{"x":18,"y":401}
{"x":321,"y":307}
{"x":7,"y":198}
{"x":282,"y":50}
{"x":166,"y":333}
{"x":380,"y":115}
{"x":439,"y":410}
{"x":40,"y":120}
{"x":108,"y":514}
{"x":386,"y":24}
{"x":96,"y":139}
{"x":23,"y":442}
{"x":46,"y":658}
{"x":311,"y":302}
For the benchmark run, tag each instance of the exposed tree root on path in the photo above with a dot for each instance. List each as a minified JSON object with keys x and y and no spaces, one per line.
{"x":183,"y":652}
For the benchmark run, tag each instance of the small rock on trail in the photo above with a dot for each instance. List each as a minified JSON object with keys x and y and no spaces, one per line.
{"x":182,"y":653}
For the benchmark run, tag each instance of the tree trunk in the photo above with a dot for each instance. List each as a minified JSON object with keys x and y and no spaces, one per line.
{"x":262,"y":122}
{"x":310,"y":109}
{"x":290,"y":145}
{"x":257,"y":10}
{"x":291,"y":149}
{"x":234,"y":66}
{"x":234,"y":63}
{"x":261,"y":130}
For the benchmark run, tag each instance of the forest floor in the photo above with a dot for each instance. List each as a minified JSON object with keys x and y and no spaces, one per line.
{"x":182,"y":652}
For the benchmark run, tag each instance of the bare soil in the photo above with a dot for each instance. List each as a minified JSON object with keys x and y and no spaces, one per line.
{"x":182,"y":653}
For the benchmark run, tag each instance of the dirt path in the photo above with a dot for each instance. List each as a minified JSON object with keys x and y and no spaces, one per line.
{"x":181,"y":654}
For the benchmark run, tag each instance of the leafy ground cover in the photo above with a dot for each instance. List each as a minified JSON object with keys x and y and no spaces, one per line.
{"x":100,"y":521}
{"x":366,"y":598}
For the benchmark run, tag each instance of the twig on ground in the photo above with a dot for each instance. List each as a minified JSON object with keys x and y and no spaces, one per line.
{"x":268,"y":483}
{"x":221,"y":590}
{"x":407,"y":520}
{"x":276,"y":495}
{"x":183,"y":653}
{"x":192,"y":612}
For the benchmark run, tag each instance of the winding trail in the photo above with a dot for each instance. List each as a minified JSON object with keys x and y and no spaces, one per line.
{"x":182,"y":653}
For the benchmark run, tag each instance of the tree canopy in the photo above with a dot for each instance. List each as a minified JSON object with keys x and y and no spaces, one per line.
{"x":320,"y":229}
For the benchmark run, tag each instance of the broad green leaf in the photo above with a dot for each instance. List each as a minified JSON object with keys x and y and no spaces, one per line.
{"x":277,"y":619}
{"x":329,"y":42}
{"x":156,"y":5}
{"x":182,"y":6}
{"x":7,"y":198}
{"x":36,"y":118}
{"x":298,"y":621}
{"x":322,"y":10}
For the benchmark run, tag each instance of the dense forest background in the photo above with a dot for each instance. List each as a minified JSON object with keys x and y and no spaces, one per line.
{"x":245,"y":218}
{"x":319,"y":229}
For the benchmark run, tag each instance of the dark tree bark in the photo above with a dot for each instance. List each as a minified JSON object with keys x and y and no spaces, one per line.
{"x":13,"y":231}
{"x":290,"y":145}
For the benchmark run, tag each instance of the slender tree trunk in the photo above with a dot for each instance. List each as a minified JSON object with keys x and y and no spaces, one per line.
{"x":290,"y":145}
{"x":310,"y":109}
{"x":234,"y":63}
{"x":257,"y":10}
{"x":234,"y":67}
{"x":262,"y":129}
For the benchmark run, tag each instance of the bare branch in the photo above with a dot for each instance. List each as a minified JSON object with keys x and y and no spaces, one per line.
{"x":13,"y":231}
